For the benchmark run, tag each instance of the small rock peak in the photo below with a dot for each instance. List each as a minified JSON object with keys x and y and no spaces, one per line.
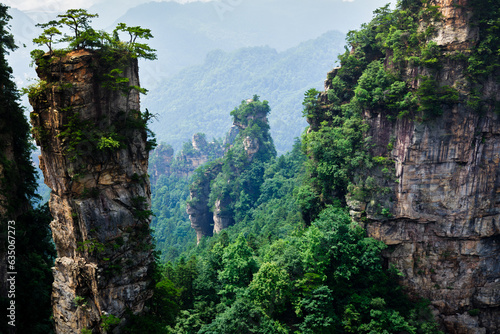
{"x":230,"y":137}
{"x":199,"y":142}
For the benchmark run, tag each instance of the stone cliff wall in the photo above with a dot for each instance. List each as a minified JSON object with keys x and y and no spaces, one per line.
{"x":95,"y":160}
{"x":211,"y":220}
{"x":444,"y":229}
{"x":202,"y":219}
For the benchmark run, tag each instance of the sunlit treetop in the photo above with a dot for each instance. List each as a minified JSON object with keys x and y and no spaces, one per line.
{"x":82,"y":36}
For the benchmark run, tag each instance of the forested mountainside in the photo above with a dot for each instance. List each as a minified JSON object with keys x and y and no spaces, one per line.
{"x":26,"y":251}
{"x":170,"y":176}
{"x":226,"y":77}
{"x":264,"y":270}
{"x":406,"y":135}
{"x":383,"y":218}
{"x":400,"y":190}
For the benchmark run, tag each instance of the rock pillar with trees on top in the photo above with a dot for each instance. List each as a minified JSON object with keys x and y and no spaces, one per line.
{"x":95,"y":146}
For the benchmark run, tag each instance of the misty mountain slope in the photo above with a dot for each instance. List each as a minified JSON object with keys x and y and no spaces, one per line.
{"x":185,"y":33}
{"x":199,"y":98}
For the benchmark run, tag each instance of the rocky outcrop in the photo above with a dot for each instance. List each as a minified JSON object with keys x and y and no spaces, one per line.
{"x":223,"y":218}
{"x":200,"y":215}
{"x":160,"y":161}
{"x":192,"y":156}
{"x":444,"y":234}
{"x":247,"y":141}
{"x":199,"y":142}
{"x":95,"y":160}
{"x":230,"y":137}
{"x":443,"y":230}
{"x":251,"y":146}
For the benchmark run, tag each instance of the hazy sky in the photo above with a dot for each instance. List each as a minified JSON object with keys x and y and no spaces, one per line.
{"x":62,"y":5}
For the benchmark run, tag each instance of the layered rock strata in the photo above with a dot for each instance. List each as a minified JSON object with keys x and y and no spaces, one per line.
{"x":200,"y":215}
{"x":443,"y":230}
{"x":208,"y":220}
{"x":95,"y":160}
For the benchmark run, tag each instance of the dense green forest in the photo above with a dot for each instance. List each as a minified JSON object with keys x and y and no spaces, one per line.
{"x":271,"y":272}
{"x":34,"y":253}
{"x":292,"y":260}
{"x":170,"y":177}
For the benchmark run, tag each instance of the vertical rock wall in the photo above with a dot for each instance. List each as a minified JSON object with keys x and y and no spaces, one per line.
{"x":212,"y":220}
{"x":202,"y":219}
{"x":95,"y":160}
{"x":444,"y":233}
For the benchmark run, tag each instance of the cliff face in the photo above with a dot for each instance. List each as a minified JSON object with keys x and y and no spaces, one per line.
{"x":202,"y":219}
{"x":247,"y":142}
{"x":95,"y":160}
{"x":443,"y":230}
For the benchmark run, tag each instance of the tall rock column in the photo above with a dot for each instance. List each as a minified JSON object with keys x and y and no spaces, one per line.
{"x":248,"y":142}
{"x":443,"y":230}
{"x":95,"y":158}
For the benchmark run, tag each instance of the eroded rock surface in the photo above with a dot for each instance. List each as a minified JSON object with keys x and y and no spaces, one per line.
{"x":444,"y":229}
{"x":211,"y":218}
{"x":202,"y":219}
{"x":95,"y":160}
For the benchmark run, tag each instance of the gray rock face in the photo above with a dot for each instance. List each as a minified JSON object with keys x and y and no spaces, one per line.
{"x":444,"y":233}
{"x":222,"y":218}
{"x":251,"y":146}
{"x":202,"y":219}
{"x":231,"y":136}
{"x":160,"y":162}
{"x":100,"y":193}
{"x":444,"y":230}
{"x":211,"y":220}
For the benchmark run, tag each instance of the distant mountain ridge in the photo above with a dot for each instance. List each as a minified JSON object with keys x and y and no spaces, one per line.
{"x":198,"y":98}
{"x":185,"y":33}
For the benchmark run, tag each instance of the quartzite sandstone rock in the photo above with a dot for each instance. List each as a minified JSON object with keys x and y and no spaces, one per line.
{"x":444,"y":233}
{"x":100,"y":195}
{"x":202,"y":219}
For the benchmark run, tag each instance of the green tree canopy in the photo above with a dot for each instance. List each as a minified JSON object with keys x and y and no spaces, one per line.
{"x":78,"y":21}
